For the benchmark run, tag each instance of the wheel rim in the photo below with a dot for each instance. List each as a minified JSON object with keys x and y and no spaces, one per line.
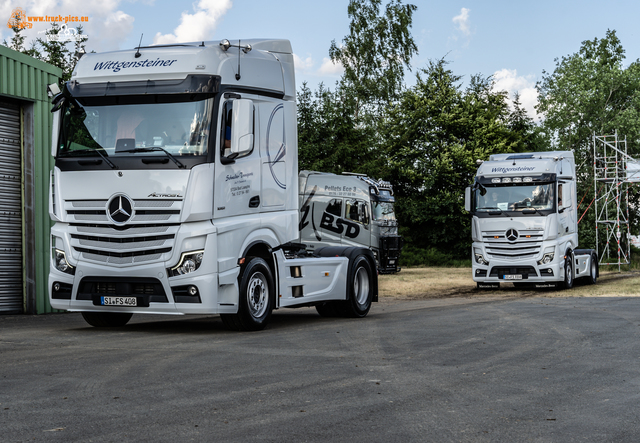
{"x":593,"y":269}
{"x":361,"y":285}
{"x":567,"y":271}
{"x":257,"y":295}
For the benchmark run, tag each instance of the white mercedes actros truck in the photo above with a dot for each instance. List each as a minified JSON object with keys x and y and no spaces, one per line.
{"x":175,"y":191}
{"x":350,"y":209}
{"x":524,"y":222}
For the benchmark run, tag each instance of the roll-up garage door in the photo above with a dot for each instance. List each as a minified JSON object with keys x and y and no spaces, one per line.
{"x":10,"y":210}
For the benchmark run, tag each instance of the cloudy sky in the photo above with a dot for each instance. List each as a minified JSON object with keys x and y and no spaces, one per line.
{"x":513,"y":41}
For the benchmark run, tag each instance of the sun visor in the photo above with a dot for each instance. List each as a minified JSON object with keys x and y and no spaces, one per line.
{"x":192,"y":84}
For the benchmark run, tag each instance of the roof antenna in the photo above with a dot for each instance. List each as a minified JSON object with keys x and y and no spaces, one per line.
{"x":238,"y":74}
{"x":137,"y":54}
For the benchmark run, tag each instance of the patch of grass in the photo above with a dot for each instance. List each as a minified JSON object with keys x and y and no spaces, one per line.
{"x":416,"y":257}
{"x":425,"y":283}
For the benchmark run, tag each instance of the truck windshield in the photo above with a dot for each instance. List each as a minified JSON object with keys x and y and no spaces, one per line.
{"x":179,"y":128}
{"x":514,"y":198}
{"x":383,"y":211}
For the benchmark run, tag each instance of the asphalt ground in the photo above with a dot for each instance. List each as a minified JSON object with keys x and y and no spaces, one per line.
{"x":514,"y":370}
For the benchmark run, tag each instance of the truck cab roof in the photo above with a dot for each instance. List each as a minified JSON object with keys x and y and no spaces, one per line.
{"x":268,"y":65}
{"x":534,"y":164}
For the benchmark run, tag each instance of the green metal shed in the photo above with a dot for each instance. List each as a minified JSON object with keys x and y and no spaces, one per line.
{"x":25,"y":165}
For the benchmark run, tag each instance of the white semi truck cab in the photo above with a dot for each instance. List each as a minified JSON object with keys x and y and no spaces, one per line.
{"x":175,"y":190}
{"x":524,"y":222}
{"x":350,"y":209}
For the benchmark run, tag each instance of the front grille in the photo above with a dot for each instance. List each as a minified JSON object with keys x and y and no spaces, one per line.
{"x":144,"y":211}
{"x":149,"y":236}
{"x":526,"y":246}
{"x":122,"y":286}
{"x":389,"y":254}
{"x":525,"y":271}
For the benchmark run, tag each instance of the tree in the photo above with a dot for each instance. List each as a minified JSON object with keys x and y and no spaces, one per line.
{"x":531,"y":137}
{"x":434,"y":136}
{"x":18,"y":25}
{"x":337,"y":129}
{"x":54,"y":48}
{"x":375,"y":52}
{"x":329,"y":139}
{"x":592,"y":92}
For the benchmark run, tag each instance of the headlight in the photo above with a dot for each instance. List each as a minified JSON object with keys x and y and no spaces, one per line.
{"x":189,"y":262}
{"x":480,"y":258}
{"x":547,"y":258}
{"x":61,"y":263}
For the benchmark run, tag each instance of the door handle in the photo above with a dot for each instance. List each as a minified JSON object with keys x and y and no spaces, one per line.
{"x":254,"y":202}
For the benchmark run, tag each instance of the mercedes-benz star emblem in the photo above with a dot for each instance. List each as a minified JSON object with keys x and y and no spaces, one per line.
{"x":120,"y":209}
{"x":512,"y":235}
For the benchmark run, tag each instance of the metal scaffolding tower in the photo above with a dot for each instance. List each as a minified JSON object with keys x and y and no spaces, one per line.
{"x":611,"y":186}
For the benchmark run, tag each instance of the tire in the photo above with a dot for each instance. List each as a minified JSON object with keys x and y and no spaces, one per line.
{"x":568,"y":273}
{"x":107,"y":319}
{"x":256,"y":300}
{"x":593,"y":271}
{"x":360,"y":289}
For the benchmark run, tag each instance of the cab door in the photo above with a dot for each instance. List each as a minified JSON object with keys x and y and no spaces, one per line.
{"x":356,"y":223}
{"x":566,"y":208}
{"x":237,"y":190}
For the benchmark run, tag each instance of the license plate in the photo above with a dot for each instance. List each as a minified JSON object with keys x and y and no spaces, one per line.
{"x":118,"y":301}
{"x":513,"y":277}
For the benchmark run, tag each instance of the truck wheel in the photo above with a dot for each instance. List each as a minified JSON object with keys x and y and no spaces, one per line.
{"x":593,"y":271}
{"x":255,"y":304}
{"x":361,"y":290}
{"x":568,"y":273}
{"x":106,"y":319}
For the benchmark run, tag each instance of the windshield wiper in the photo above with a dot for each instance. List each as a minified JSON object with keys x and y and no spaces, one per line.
{"x":92,"y":151}
{"x":155,"y":148}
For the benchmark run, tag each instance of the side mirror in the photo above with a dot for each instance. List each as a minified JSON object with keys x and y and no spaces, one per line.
{"x":467,"y":199}
{"x":242,"y":128}
{"x":55,"y":133}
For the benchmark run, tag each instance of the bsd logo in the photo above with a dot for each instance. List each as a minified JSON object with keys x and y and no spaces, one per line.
{"x":350,"y":229}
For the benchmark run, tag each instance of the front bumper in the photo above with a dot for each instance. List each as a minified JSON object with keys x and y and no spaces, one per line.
{"x":148,"y":283}
{"x":518,"y":271}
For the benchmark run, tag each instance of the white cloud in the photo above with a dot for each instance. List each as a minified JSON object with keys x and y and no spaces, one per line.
{"x":107,"y":28}
{"x":462,"y":21}
{"x":508,"y":80}
{"x":196,"y":26}
{"x":302,"y":65}
{"x":329,"y":68}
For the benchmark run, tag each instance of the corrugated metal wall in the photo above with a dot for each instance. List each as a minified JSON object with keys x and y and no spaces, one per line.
{"x":23,"y":81}
{"x":11,"y":293}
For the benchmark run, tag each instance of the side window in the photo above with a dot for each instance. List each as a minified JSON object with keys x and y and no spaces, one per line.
{"x":225,"y":131}
{"x":559,"y":196}
{"x":357,"y":210}
{"x":335,"y":207}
